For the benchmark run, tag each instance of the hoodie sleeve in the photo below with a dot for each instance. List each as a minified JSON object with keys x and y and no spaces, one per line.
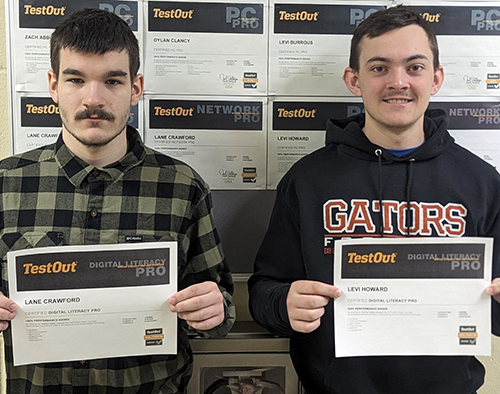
{"x":495,"y":306}
{"x":278,"y":263}
{"x":495,"y":321}
{"x":491,"y":228}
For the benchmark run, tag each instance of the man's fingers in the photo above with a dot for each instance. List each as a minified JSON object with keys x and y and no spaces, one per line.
{"x":206,"y":324}
{"x":306,"y":301}
{"x":201,"y":305}
{"x":197,"y":290}
{"x":200,"y":315}
{"x":201,"y":292}
{"x":316,"y":288}
{"x":7,"y":303}
{"x":494,"y":289}
{"x":7,"y":311}
{"x":306,"y":314}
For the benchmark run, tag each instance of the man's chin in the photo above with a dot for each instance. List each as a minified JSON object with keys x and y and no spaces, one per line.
{"x":94,"y":137}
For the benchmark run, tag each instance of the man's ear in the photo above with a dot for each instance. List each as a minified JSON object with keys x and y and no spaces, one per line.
{"x":53,"y":86}
{"x":351,"y":81}
{"x":438,"y":80}
{"x":137,"y":89}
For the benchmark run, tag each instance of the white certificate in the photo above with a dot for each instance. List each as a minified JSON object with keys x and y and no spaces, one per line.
{"x":296,"y":127}
{"x":199,"y":47}
{"x":223,"y":138}
{"x":413,"y":296}
{"x":309,"y":44}
{"x":93,"y":301}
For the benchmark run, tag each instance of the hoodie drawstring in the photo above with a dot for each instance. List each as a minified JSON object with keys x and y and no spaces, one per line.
{"x":408,"y":194}
{"x":378,"y":153}
{"x":409,"y":181}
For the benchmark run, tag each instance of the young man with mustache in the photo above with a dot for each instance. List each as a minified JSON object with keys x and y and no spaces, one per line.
{"x":372,"y":179}
{"x":99,"y":184}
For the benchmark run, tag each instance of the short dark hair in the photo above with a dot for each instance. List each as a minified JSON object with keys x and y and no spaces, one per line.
{"x":384,"y":21}
{"x":94,"y":31}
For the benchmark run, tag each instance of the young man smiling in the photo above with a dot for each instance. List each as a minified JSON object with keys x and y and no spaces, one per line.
{"x":99,"y":184}
{"x":372,"y":179}
{"x":395,"y":82}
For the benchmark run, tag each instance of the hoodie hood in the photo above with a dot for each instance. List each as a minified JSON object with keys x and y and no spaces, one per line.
{"x":348,"y":134}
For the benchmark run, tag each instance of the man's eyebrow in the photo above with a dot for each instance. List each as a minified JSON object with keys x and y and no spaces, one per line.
{"x":418,"y":56}
{"x":107,"y":74}
{"x":115,"y":73}
{"x":406,"y":60}
{"x":72,"y":71}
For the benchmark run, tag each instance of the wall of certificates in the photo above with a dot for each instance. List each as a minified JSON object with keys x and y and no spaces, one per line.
{"x":242,"y":90}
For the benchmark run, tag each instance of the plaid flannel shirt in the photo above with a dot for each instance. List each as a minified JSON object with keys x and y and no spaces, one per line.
{"x":50,"y":197}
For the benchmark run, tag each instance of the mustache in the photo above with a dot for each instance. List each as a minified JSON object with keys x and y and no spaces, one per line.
{"x":99,"y":112}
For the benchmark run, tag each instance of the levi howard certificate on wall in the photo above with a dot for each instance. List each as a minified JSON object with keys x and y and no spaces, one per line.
{"x":93,"y":301}
{"x":413,"y":296}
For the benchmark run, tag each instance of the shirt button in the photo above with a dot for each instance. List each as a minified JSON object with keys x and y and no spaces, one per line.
{"x":93,"y":213}
{"x":96,"y":173}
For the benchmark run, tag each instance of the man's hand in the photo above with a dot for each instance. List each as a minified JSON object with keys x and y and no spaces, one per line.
{"x":201,"y":305}
{"x":494,"y":289}
{"x":7,"y":311}
{"x":306,"y":303}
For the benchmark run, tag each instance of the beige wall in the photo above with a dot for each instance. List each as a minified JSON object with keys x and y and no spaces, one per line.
{"x":492,"y":384}
{"x":492,"y":363}
{"x":4,"y":125}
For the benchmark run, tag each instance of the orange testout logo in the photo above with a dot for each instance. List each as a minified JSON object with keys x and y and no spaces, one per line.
{"x":371,"y":258}
{"x":50,"y":268}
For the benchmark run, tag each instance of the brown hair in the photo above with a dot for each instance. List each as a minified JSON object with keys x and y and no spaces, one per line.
{"x":94,"y":31}
{"x":385,"y":21}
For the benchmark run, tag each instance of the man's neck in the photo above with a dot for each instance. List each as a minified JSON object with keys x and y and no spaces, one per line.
{"x":395,"y":139}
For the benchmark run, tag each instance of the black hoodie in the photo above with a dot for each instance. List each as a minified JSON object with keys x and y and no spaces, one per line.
{"x":336,"y":192}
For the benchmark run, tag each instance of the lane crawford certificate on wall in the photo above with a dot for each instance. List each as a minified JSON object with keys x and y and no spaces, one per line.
{"x":413,"y":296}
{"x":93,"y":301}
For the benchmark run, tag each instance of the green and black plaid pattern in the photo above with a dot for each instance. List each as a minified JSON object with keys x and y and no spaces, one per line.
{"x":50,"y":197}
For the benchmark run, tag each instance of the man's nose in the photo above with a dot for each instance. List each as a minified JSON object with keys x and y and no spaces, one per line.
{"x":398,"y":79}
{"x":94,"y":95}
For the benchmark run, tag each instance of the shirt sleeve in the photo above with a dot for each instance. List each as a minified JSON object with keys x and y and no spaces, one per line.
{"x":203,"y":260}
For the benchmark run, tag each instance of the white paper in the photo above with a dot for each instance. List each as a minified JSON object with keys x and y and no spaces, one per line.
{"x":95,"y":301}
{"x":309,"y":44}
{"x":32,"y":24}
{"x":413,"y":296}
{"x":222,"y":138}
{"x":297,"y":127}
{"x":206,"y":47}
